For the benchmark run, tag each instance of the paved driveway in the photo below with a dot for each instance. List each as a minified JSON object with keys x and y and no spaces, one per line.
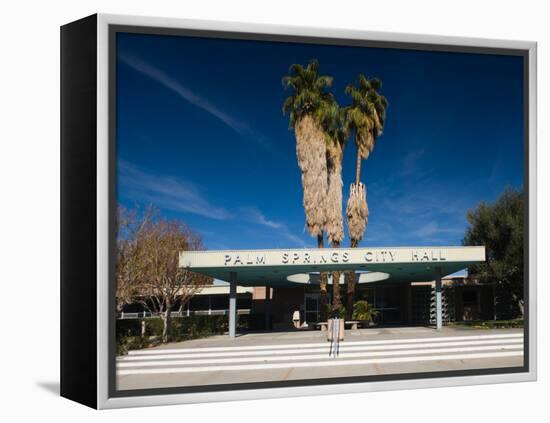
{"x":307,"y":354}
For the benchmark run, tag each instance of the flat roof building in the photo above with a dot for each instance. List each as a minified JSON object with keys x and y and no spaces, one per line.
{"x":295,"y":272}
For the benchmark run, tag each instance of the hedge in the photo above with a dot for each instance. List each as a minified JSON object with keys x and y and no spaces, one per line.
{"x":491,"y":324}
{"x":128,"y":331}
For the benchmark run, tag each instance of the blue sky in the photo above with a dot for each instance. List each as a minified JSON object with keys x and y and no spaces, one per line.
{"x":201,"y":135}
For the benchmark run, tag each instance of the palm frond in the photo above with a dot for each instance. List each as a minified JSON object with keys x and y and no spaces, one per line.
{"x":367,"y":113}
{"x":309,"y":94}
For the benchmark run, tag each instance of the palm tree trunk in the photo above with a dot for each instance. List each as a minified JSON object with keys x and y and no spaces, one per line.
{"x":350,"y":291}
{"x":336,"y":300}
{"x":351,"y":281}
{"x":323,"y":279}
{"x":311,"y":156}
{"x":358,"y":167}
{"x":334,"y":221}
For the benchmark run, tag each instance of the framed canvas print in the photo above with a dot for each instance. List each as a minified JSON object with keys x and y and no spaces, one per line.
{"x":254,"y":211}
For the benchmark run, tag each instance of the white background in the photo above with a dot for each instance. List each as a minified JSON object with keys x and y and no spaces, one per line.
{"x":29,"y":212}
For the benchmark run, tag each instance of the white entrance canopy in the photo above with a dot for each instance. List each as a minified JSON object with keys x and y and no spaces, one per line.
{"x":293,"y":266}
{"x":301,"y":266}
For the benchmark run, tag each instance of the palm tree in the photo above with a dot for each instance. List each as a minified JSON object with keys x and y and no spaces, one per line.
{"x":365,"y":117}
{"x":307,"y":107}
{"x":336,"y":137}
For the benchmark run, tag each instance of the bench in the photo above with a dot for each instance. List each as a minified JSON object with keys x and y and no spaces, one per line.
{"x":323,"y":326}
{"x":353,"y":323}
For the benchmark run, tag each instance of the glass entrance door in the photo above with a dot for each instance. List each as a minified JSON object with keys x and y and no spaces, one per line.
{"x":311,"y":308}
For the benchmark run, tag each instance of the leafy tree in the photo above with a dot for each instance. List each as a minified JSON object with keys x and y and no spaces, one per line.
{"x":499,"y":227}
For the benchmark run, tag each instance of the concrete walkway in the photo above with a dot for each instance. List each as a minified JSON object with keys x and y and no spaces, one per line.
{"x":294,"y":355}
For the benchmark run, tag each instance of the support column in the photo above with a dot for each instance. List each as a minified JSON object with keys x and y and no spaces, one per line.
{"x":267,"y":308}
{"x":232,"y":304}
{"x":438,"y":303}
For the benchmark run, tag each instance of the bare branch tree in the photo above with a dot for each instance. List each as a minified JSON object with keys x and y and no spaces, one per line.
{"x":129,"y":267}
{"x":161,"y":283}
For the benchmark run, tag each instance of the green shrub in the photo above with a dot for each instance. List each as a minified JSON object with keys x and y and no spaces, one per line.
{"x":122,"y":345}
{"x":153,"y":326}
{"x":128,"y":327}
{"x":341,"y":311}
{"x":192,"y":327}
{"x":128,"y":331}
{"x":126,"y":343}
{"x":362,"y":310}
{"x":492,"y":324}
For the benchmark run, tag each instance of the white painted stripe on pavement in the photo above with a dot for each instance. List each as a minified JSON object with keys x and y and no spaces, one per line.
{"x":342,"y":355}
{"x":334,"y":362}
{"x":311,"y":344}
{"x":324,"y":347}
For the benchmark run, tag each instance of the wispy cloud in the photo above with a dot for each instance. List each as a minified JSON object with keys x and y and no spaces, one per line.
{"x":434,"y":229}
{"x":259,"y":218}
{"x":421,"y":214}
{"x":414,"y":206}
{"x":167,"y":192}
{"x":255,"y":216}
{"x":407,"y":168}
{"x":192,"y":97}
{"x":414,"y":216}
